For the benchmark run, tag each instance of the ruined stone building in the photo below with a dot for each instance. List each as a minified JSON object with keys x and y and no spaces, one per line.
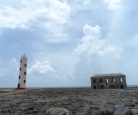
{"x":22,"y":72}
{"x":108,"y":81}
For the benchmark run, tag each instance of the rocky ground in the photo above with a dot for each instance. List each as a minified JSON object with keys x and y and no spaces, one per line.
{"x":78,"y":101}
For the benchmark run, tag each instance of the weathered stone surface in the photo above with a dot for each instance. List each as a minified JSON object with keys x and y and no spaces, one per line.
{"x":108,"y":81}
{"x":129,"y":104}
{"x":105,"y":113}
{"x":78,"y":101}
{"x":134,"y":111}
{"x":122,"y":110}
{"x":57,"y":111}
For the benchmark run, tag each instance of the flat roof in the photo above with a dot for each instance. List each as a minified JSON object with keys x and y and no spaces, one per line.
{"x":108,"y":75}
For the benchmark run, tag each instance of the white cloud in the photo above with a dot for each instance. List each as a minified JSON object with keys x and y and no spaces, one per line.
{"x":32,"y":11}
{"x":40,"y":68}
{"x":49,"y":16}
{"x":91,"y":31}
{"x":86,"y":2}
{"x":92,"y":44}
{"x":113,"y":4}
{"x":42,"y":74}
{"x":14,"y":18}
{"x":59,"y":11}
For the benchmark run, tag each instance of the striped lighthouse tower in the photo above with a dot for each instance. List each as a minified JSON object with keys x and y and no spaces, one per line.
{"x":22,"y":73}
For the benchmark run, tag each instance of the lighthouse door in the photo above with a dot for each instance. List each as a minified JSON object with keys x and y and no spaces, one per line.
{"x":18,"y":86}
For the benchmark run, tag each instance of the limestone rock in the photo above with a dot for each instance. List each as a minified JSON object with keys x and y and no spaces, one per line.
{"x":129,"y":104}
{"x":122,"y":110}
{"x":134,"y":111}
{"x":105,"y":113}
{"x":57,"y":111}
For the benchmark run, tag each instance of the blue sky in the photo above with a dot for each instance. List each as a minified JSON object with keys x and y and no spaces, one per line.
{"x":68,"y":41}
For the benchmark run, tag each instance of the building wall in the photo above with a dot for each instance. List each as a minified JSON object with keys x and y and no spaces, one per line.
{"x":22,"y":73}
{"x":109,"y":82}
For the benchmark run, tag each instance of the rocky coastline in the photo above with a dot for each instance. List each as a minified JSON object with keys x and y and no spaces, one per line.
{"x":69,"y":101}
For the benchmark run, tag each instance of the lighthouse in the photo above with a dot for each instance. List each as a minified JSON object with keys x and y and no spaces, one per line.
{"x":22,"y":73}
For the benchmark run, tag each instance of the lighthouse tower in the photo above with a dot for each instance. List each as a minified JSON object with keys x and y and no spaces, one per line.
{"x":22,"y":72}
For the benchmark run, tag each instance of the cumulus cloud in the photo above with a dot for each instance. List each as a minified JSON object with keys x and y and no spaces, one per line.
{"x":92,"y":44}
{"x":43,"y":74}
{"x":49,"y":16}
{"x":13,"y":18}
{"x":32,"y":11}
{"x":86,"y":2}
{"x":40,"y":68}
{"x":40,"y":74}
{"x":91,"y":31}
{"x":113,"y":4}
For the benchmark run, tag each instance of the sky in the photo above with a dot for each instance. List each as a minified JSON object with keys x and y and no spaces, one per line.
{"x":68,"y":41}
